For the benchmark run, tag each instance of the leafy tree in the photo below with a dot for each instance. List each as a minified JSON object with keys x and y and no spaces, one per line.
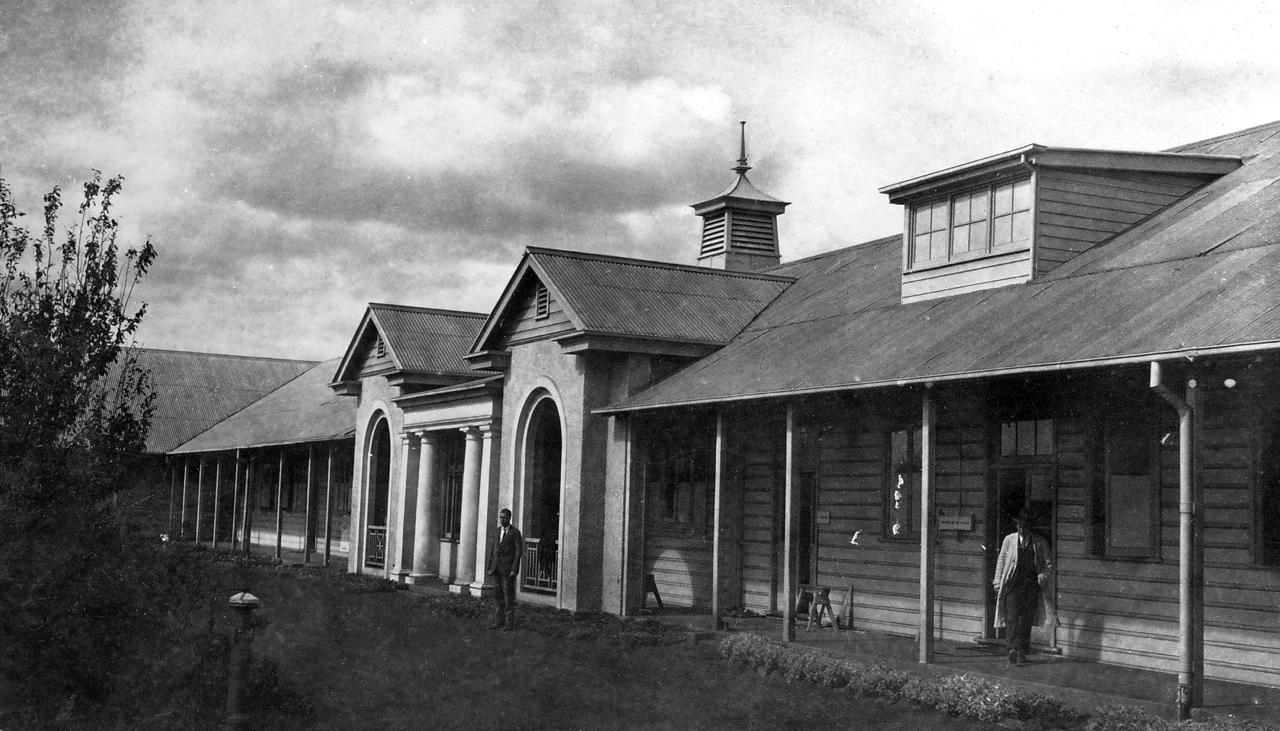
{"x":74,"y":412}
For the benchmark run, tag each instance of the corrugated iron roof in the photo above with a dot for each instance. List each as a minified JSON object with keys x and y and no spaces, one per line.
{"x":196,"y":390}
{"x":1197,"y":277}
{"x":303,"y":410}
{"x":427,"y":340}
{"x":647,"y":299}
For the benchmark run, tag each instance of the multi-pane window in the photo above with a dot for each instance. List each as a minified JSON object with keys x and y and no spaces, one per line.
{"x":902,"y":487}
{"x":1027,"y":438}
{"x":972,"y":223}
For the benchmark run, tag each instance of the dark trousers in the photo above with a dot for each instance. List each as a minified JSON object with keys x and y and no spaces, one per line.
{"x":506,"y":598}
{"x":1019,"y":613}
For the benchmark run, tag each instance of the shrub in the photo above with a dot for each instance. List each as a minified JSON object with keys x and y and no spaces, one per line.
{"x":954,"y":695}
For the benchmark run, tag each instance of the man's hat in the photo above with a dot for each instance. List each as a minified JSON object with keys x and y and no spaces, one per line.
{"x":1025,"y":516}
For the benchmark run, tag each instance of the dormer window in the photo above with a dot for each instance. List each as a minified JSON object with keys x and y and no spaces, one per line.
{"x":971,"y":224}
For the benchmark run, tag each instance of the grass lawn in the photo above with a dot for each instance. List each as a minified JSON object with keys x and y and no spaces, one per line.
{"x":365,"y":658}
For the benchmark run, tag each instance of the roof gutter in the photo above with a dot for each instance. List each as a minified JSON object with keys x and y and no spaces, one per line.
{"x":1189,"y":354}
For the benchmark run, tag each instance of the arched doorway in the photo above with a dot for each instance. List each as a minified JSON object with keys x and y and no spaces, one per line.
{"x":378,"y":484}
{"x":544,"y":449}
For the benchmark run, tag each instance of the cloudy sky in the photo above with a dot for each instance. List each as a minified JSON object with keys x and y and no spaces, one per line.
{"x":293,"y":161}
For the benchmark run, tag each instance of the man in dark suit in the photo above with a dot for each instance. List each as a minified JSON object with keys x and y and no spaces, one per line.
{"x":504,"y":564}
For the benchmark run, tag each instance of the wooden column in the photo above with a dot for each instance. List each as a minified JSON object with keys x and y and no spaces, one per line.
{"x":717,"y":528}
{"x":306,"y":521}
{"x":217,"y":492}
{"x":182,"y":513}
{"x":928,"y":530}
{"x":235,"y":498}
{"x":789,"y":532}
{"x":279,"y":505}
{"x":246,"y":524}
{"x":173,"y":488}
{"x":199,"y":497}
{"x":328,"y":505}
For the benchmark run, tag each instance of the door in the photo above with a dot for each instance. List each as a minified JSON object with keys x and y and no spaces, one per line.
{"x":1014,"y":487}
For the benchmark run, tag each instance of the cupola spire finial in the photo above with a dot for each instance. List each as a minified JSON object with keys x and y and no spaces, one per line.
{"x":742,"y":166}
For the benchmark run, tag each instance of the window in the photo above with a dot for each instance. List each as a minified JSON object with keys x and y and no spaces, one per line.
{"x":1126,"y":509}
{"x":902,"y":485}
{"x":1026,"y":438}
{"x":971,"y":224}
{"x":453,"y":450}
{"x":681,"y":490}
{"x":542,"y":302}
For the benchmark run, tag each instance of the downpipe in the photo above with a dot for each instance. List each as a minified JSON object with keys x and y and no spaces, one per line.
{"x":1186,"y":522}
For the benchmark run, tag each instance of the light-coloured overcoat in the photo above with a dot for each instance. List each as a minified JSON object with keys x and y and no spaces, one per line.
{"x":1007,"y":561}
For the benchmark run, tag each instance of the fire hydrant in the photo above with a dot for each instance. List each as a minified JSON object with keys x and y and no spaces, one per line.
{"x":244,"y":605}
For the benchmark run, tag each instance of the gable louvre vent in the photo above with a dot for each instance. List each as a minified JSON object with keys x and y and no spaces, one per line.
{"x":542,"y":302}
{"x":380,"y":347}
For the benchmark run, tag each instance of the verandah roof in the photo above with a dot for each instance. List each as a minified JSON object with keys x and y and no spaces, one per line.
{"x":1199,"y":277}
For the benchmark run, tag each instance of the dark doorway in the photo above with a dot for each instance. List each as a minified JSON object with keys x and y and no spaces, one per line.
{"x":1014,"y":487}
{"x":378,"y":480}
{"x":543,"y":529}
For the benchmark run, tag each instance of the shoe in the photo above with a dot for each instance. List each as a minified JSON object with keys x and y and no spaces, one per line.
{"x":1022,"y":658}
{"x":1013,"y":657}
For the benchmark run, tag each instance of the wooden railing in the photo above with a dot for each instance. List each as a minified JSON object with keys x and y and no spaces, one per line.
{"x":375,"y":552}
{"x":538,"y":567}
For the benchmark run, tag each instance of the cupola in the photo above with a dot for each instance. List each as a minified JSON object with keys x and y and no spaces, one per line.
{"x":740,"y":225}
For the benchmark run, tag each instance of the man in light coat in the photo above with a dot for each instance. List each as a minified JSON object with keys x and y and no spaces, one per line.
{"x":1024,"y":568}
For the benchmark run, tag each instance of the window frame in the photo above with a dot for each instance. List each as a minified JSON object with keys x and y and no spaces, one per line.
{"x":452,"y":467}
{"x":1104,"y":486}
{"x":915,"y":447}
{"x":950,"y":255}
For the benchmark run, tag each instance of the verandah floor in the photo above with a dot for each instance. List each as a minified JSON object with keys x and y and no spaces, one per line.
{"x":1081,"y":683}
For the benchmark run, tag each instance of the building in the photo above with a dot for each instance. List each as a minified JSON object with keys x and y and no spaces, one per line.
{"x":1089,"y":334}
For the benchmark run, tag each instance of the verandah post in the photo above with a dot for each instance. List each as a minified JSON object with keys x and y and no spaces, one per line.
{"x":182,"y":514}
{"x":789,"y":531}
{"x":307,"y":535}
{"x":717,"y":530}
{"x":328,"y":504}
{"x":199,"y":497}
{"x":217,"y":492}
{"x":928,"y":532}
{"x":279,"y":505}
{"x":235,"y":498}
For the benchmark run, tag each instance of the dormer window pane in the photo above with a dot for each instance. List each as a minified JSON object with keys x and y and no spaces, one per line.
{"x":971,"y":224}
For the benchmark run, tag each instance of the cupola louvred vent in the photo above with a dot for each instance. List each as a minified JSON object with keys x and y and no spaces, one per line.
{"x":740,"y":226}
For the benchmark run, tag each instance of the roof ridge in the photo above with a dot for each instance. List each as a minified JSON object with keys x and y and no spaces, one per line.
{"x":237,"y":356}
{"x":1223,"y":137}
{"x":433,"y":310}
{"x":655,"y":264}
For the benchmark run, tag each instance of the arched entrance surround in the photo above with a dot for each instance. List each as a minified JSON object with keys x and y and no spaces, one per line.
{"x":541,"y":490}
{"x":376,"y":489}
